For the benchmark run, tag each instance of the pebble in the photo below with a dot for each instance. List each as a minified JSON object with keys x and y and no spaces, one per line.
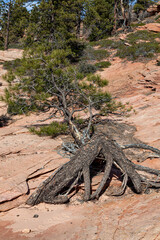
{"x":26,"y":230}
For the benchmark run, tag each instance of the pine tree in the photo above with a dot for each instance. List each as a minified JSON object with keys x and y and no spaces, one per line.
{"x":47,"y":78}
{"x":14,"y":20}
{"x":99,"y":19}
{"x":54,"y":24}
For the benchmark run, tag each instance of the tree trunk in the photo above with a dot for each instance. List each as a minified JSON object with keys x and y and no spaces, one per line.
{"x":8,"y":26}
{"x":115,"y":16}
{"x":77,"y":136}
{"x":123,"y":13}
{"x":57,"y":187}
{"x":78,"y":28}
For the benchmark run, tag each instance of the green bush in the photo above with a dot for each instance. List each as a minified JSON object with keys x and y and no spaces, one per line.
{"x":117,"y":44}
{"x":54,"y":129}
{"x":20,"y":105}
{"x":100,"y":54}
{"x":103,"y":64}
{"x":106,"y":43}
{"x":94,"y":43}
{"x":16,"y":46}
{"x":87,"y":68}
{"x":97,"y":80}
{"x":92,"y":54}
{"x":142,"y":35}
{"x":138,"y":7}
{"x":145,"y":49}
{"x":137,"y":24}
{"x":8,"y":65}
{"x":157,"y":19}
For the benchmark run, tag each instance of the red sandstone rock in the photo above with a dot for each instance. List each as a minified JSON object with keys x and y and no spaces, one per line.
{"x":24,"y":156}
{"x":154,"y":27}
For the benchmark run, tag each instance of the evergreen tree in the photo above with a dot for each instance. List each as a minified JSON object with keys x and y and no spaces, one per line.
{"x":54,"y":24}
{"x":14,"y":20}
{"x":46,"y":79}
{"x":99,"y":19}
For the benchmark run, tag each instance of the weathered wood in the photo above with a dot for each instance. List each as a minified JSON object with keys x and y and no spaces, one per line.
{"x":53,"y":185}
{"x":53,"y":189}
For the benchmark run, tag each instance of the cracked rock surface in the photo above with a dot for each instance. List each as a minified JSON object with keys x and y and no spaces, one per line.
{"x":26,"y":160}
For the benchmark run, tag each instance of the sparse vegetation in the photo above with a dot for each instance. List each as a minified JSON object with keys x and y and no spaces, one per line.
{"x":54,"y":129}
{"x":142,"y":35}
{"x":108,"y":43}
{"x":100,"y":54}
{"x":139,"y":44}
{"x":87,"y":68}
{"x":92,"y":54}
{"x":157,"y":18}
{"x":9,"y":65}
{"x":57,"y":75}
{"x":137,"y":24}
{"x":143,"y":49}
{"x":105,"y":43}
{"x":103,"y":64}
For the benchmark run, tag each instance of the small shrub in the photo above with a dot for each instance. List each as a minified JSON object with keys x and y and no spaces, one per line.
{"x":94,"y":43}
{"x":100,"y":54}
{"x":137,"y":24}
{"x":146,"y":49}
{"x":106,"y":43}
{"x":9,"y":65}
{"x":92,"y":54}
{"x":117,"y":44}
{"x":157,"y":17}
{"x":97,"y":80}
{"x":103,"y":64}
{"x":18,"y":105}
{"x":54,"y":129}
{"x":138,"y":7}
{"x":87,"y":68}
{"x":142,"y":35}
{"x":16,"y":46}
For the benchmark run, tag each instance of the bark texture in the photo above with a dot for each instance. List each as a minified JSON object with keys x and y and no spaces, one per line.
{"x":56,"y":188}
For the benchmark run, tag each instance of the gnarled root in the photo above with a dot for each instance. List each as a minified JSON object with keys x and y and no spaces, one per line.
{"x":54,"y":189}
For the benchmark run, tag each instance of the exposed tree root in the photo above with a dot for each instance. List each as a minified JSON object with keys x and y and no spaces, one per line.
{"x":142,"y":146}
{"x":56,"y":188}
